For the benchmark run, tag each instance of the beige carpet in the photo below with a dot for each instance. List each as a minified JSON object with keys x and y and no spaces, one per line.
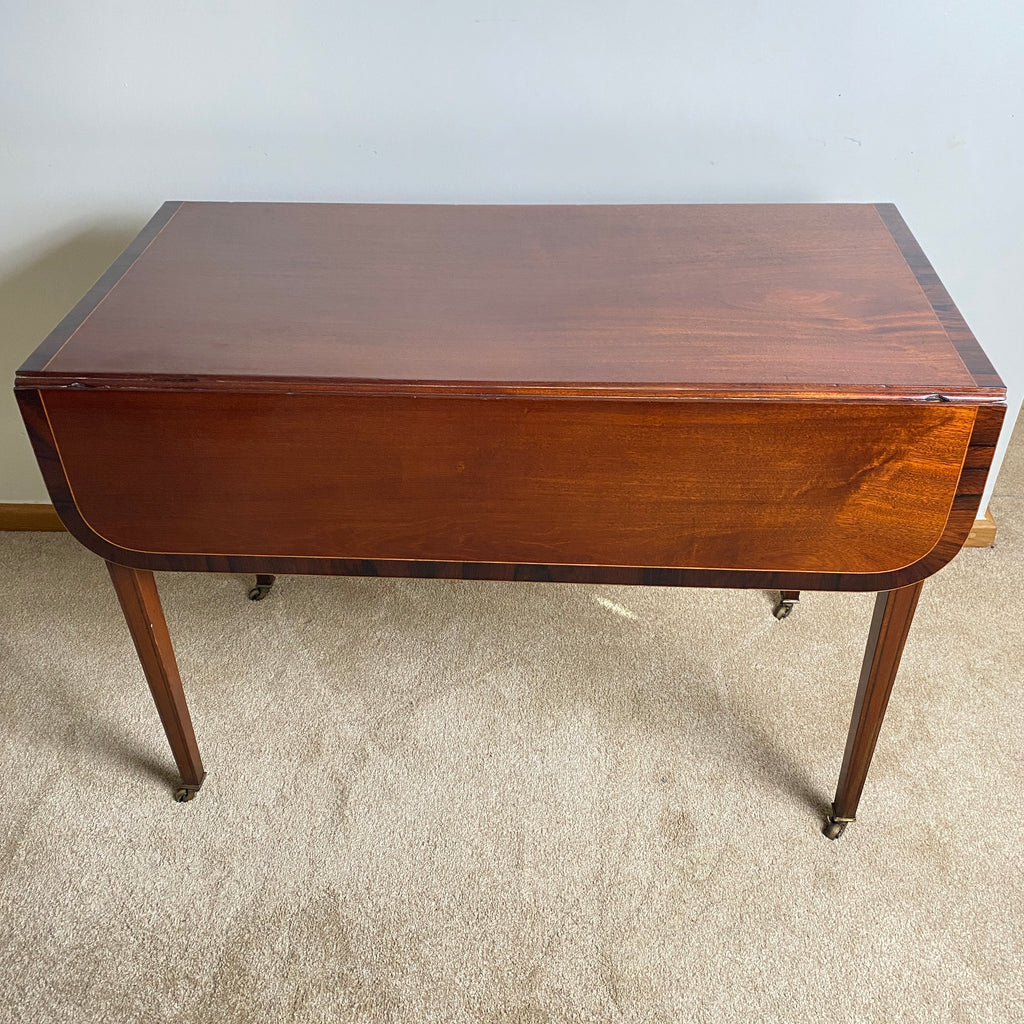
{"x":439,"y":801}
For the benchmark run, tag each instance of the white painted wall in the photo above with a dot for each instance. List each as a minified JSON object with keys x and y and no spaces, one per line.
{"x":110,"y":107}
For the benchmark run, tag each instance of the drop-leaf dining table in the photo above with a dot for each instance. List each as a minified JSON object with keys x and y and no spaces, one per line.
{"x":780,"y":397}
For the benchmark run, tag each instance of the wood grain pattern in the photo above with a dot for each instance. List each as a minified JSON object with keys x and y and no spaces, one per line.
{"x":815,"y":296}
{"x":42,"y":517}
{"x":786,"y":487}
{"x":988,"y":420}
{"x":949,"y":316}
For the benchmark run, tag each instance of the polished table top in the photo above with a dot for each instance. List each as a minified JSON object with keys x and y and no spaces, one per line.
{"x":778,"y":298}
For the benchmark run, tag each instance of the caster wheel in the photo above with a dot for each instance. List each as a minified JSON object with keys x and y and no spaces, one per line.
{"x":782,"y":609}
{"x":264,"y":581}
{"x":834,"y":829}
{"x":184,"y":794}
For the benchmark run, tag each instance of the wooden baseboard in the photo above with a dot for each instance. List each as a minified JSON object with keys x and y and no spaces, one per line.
{"x":29,"y":517}
{"x":983,"y":533}
{"x":43,"y":517}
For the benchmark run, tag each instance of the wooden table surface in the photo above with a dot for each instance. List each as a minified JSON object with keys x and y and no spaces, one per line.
{"x":779,"y":396}
{"x":798,"y":297}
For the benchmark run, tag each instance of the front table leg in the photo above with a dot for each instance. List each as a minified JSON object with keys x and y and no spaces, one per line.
{"x":894,"y":612}
{"x":140,"y":602}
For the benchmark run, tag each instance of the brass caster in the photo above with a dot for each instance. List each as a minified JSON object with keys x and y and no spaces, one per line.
{"x":185,"y":793}
{"x":264,"y":581}
{"x":788,"y":600}
{"x":835,"y":827}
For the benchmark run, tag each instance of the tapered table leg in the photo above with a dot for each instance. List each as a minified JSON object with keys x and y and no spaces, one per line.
{"x":894,"y":612}
{"x":140,"y":602}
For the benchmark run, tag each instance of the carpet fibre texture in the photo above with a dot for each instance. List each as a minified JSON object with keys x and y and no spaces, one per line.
{"x":503,"y":803}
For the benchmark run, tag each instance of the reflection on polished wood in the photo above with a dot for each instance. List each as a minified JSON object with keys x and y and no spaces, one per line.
{"x":707,"y":484}
{"x":781,"y":397}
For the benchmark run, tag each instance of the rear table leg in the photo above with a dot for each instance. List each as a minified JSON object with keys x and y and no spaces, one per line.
{"x":140,"y":602}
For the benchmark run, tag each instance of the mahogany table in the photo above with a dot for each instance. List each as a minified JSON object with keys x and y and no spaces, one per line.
{"x":779,"y":397}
